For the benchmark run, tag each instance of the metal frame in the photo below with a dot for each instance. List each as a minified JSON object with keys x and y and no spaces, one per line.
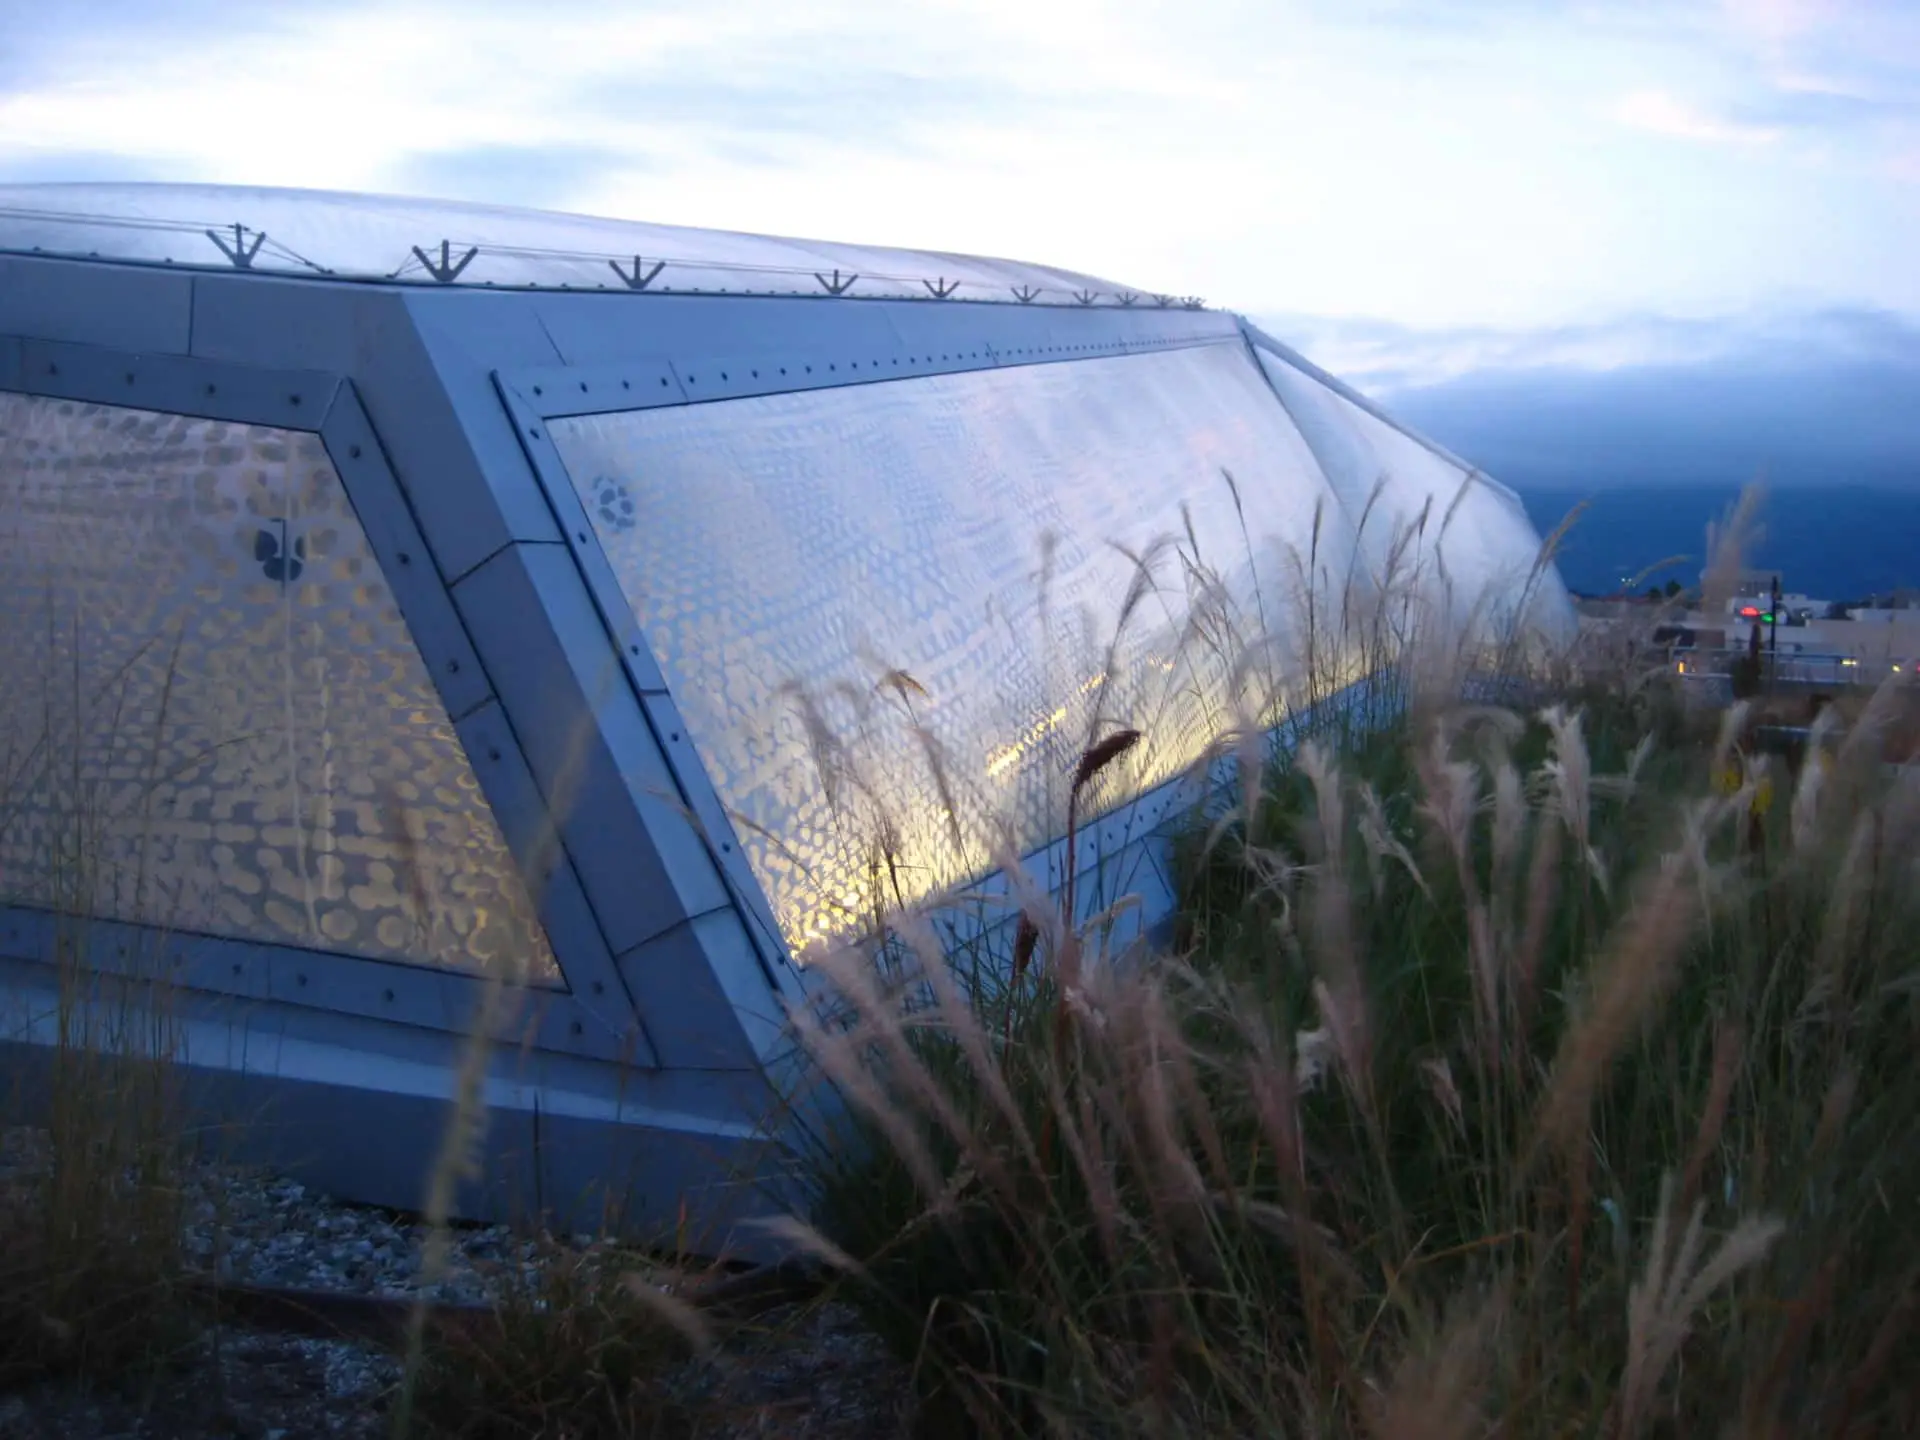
{"x":433,"y":402}
{"x":1118,"y":845}
{"x":591,"y":1016}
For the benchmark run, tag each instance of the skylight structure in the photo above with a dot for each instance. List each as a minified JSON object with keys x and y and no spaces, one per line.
{"x":403,"y":598}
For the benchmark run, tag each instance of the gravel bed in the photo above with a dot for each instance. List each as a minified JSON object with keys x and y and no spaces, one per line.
{"x":812,"y":1373}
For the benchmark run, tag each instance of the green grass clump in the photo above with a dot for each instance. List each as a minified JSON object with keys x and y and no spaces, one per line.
{"x":581,"y":1345}
{"x":93,"y":1203}
{"x":1523,"y":1073}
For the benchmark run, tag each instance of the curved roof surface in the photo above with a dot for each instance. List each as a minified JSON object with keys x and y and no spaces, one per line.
{"x":382,"y":238}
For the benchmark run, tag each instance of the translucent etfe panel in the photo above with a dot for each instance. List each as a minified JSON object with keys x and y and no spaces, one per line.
{"x":375,"y":236}
{"x":213,"y":717}
{"x":1419,"y":522}
{"x":890,"y":614}
{"x":1476,"y":541}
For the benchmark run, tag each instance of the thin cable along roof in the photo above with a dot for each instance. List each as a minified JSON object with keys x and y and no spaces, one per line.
{"x":377,"y":238}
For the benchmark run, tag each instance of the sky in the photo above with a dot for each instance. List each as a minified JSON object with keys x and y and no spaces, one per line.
{"x":1493,"y":209}
{"x":1506,"y":164}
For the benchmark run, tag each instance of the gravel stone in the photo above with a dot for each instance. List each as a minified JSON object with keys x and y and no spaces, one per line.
{"x":810,"y":1373}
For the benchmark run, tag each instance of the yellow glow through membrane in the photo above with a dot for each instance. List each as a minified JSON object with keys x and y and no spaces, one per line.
{"x":816,"y":541}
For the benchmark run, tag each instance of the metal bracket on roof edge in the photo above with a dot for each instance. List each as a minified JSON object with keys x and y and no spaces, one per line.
{"x":240,"y":253}
{"x":940,"y":289}
{"x":1086,"y":297}
{"x":1194,"y":302}
{"x":637,"y":281}
{"x":1127,"y":297}
{"x":1025,"y":293}
{"x":835,"y":286}
{"x":448,"y":270}
{"x":1165,"y":302}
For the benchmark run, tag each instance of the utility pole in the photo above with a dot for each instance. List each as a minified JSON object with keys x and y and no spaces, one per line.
{"x":1773,"y":636}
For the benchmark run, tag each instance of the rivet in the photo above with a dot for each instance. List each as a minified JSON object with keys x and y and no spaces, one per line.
{"x":295,"y":399}
{"x":129,"y":377}
{"x":493,"y":754}
{"x":538,"y":391}
{"x":353,"y":452}
{"x":576,"y":1027}
{"x":580,"y":536}
{"x":453,"y":667}
{"x":387,"y":995}
{"x":534,"y":431}
{"x":404,"y":558}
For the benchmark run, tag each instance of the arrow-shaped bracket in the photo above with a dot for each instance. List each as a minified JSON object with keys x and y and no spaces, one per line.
{"x":1165,"y":302}
{"x":940,"y":289}
{"x":637,"y":280}
{"x":448,"y":269}
{"x":835,"y":286}
{"x":1127,"y":297}
{"x":1086,"y":297}
{"x":1194,"y":302}
{"x":240,"y":253}
{"x":1025,"y":293}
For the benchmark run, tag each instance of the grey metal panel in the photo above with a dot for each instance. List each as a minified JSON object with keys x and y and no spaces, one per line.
{"x":705,"y":992}
{"x":10,"y":375}
{"x":178,"y":385}
{"x":676,"y":741}
{"x":425,"y":379}
{"x":261,"y":320}
{"x":720,"y":377}
{"x":557,"y":394}
{"x":361,"y":1109}
{"x":403,"y":555}
{"x":585,"y":960}
{"x":324,"y":983}
{"x":599,"y":329}
{"x":550,"y":390}
{"x":125,"y":307}
{"x":640,"y":859}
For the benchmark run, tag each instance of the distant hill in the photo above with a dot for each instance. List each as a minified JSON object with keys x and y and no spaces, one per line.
{"x":1835,"y":542}
{"x":1831,"y":430}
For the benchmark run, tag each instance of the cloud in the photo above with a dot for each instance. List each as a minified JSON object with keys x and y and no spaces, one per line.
{"x":32,"y":167}
{"x":1406,"y":157}
{"x":549,"y":177}
{"x":1811,"y":399}
{"x":1663,"y":114}
{"x":1384,"y":358}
